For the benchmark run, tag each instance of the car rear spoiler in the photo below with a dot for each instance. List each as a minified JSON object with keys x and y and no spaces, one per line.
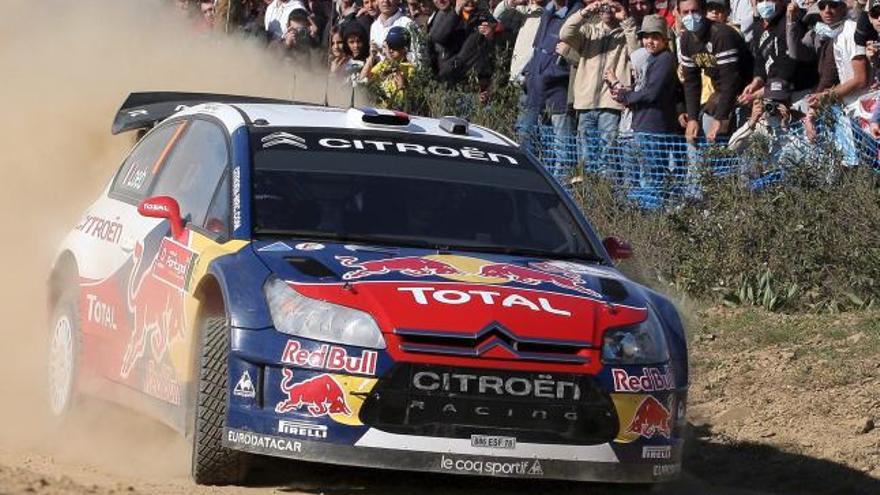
{"x":145,"y":110}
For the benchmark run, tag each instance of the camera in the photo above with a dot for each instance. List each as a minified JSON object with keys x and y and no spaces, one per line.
{"x":606,"y":9}
{"x":771,"y":107}
{"x":301,"y":36}
{"x":479,"y":17}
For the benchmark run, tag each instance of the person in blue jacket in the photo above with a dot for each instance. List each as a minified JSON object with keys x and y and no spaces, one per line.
{"x":547,"y":82}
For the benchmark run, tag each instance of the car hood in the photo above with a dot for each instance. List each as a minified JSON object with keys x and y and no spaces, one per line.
{"x":423,"y":297}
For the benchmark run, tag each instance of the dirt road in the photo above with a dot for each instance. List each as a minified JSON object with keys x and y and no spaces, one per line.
{"x":756,"y":427}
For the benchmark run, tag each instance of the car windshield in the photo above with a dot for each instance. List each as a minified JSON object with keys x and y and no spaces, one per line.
{"x":396,"y":189}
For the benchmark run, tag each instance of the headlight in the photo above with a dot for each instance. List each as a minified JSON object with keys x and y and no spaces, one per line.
{"x":644,"y":343}
{"x":296,"y":314}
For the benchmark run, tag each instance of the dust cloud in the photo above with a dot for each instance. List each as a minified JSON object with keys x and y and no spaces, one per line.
{"x":64,"y":69}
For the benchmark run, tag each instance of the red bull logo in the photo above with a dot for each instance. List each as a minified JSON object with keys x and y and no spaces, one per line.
{"x":320,"y":396}
{"x":412,"y":266}
{"x":330,"y":358}
{"x":651,"y":418}
{"x":531,"y":276}
{"x":465,"y":269}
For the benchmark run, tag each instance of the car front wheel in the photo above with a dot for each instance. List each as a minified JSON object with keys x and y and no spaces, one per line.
{"x":212,"y":463}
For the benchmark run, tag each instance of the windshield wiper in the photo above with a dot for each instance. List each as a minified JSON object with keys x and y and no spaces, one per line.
{"x":537,"y":253}
{"x":407,"y":241}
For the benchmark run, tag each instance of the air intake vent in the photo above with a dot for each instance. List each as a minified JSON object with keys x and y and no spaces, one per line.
{"x":310,"y":267}
{"x":613,"y":289}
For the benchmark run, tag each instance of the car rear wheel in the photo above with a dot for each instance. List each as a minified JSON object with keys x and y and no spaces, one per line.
{"x":212,"y":463}
{"x":63,"y":354}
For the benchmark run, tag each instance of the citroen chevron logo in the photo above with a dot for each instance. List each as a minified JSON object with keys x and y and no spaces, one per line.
{"x":494,"y":341}
{"x":278,"y":138}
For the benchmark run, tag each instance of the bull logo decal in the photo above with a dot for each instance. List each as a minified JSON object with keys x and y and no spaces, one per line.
{"x":155,"y":306}
{"x":320,"y":396}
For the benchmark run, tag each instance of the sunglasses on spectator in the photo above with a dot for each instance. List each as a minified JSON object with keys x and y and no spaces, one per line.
{"x":833,"y":5}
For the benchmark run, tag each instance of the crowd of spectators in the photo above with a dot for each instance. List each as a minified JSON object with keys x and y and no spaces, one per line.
{"x":588,"y":68}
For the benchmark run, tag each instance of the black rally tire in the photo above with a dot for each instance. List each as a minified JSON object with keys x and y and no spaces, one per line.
{"x":212,"y":463}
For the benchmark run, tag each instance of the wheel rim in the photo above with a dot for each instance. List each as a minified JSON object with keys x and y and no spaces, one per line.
{"x":61,"y":365}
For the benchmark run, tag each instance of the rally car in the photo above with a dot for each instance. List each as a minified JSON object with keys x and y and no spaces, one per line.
{"x":361,"y":287}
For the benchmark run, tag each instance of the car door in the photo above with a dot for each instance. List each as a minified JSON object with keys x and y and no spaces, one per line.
{"x":105,"y":239}
{"x":155,"y":356}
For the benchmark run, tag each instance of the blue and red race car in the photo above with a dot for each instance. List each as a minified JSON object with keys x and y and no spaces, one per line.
{"x":361,"y":287}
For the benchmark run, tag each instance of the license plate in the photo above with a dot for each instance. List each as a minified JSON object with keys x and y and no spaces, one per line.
{"x":493,"y":442}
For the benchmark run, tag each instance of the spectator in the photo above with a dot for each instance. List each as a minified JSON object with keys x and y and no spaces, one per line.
{"x":511,"y":14}
{"x":865,"y":29}
{"x":390,"y":16}
{"x":393,"y":72}
{"x":355,"y":48}
{"x":446,"y":33}
{"x":653,"y":105}
{"x":875,"y":122}
{"x":741,"y":13}
{"x":419,"y":11}
{"x":525,"y":37}
{"x":666,"y":10}
{"x":718,"y":11}
{"x":475,"y":53}
{"x":843,"y":73}
{"x":789,"y":79}
{"x":547,"y":77}
{"x":319,"y":16}
{"x":843,"y":65}
{"x":872,"y":50}
{"x":338,"y":58}
{"x":600,"y":47}
{"x":638,"y":9}
{"x":277,"y":15}
{"x":719,"y":52}
{"x":369,"y":12}
{"x":207,"y":18}
{"x":346,"y":11}
{"x":299,"y":39}
{"x":249,"y":15}
{"x":357,"y":41}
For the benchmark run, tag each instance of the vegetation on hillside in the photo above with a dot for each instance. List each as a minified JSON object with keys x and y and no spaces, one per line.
{"x":810,"y":241}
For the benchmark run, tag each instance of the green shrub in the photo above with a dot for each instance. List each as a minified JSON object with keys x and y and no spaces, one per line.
{"x":802,"y":244}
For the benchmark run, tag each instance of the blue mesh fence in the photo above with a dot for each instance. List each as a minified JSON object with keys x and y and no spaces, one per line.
{"x":657,"y":170}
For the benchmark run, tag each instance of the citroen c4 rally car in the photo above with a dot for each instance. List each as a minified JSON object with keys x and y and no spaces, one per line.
{"x":365,"y":288}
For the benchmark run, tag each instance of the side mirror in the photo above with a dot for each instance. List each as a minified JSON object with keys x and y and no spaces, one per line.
{"x":617,"y":248}
{"x":163,"y":207}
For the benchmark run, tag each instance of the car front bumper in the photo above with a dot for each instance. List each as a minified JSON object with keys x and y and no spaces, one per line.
{"x":510,"y":465}
{"x":303,"y":400}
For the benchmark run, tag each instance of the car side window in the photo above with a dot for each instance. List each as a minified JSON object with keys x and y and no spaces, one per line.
{"x":194,"y":170}
{"x":217,"y":220}
{"x":137,"y":172}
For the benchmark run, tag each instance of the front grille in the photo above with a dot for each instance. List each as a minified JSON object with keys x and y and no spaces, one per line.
{"x":491,"y":337}
{"x":457,"y":403}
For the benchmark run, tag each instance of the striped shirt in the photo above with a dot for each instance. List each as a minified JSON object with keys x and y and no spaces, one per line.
{"x":719,"y":52}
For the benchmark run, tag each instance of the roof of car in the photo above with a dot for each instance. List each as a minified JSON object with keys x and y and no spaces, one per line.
{"x":143,"y":110}
{"x":295,"y":115}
